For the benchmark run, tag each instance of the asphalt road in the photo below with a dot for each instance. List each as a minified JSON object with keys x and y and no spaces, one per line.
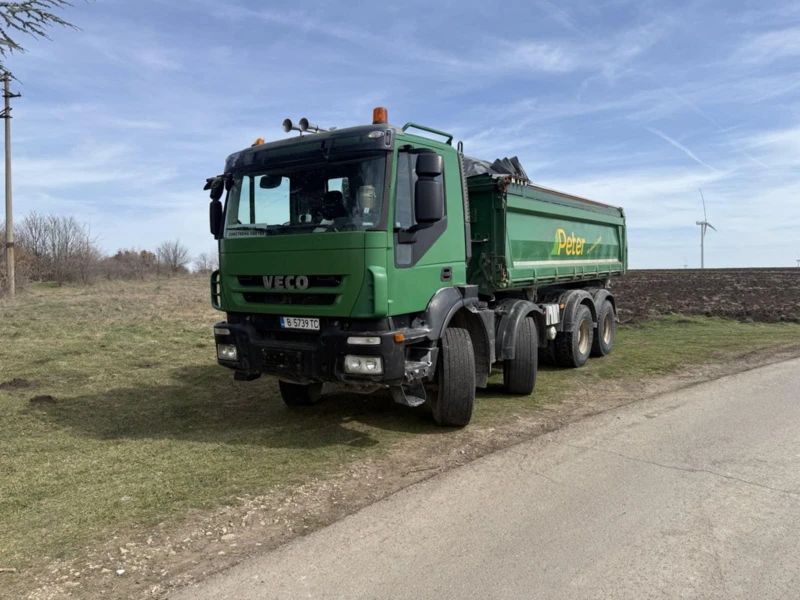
{"x":694,"y":494}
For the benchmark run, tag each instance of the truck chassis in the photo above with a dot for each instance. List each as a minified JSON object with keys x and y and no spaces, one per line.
{"x":438,"y":357}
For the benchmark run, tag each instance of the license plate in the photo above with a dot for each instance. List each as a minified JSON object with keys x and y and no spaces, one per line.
{"x":300,"y":323}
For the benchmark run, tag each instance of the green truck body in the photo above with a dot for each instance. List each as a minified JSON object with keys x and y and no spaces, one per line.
{"x":525,"y":235}
{"x":371,"y":257}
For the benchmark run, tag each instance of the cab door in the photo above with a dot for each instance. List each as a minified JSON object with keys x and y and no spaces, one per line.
{"x":430,"y":258}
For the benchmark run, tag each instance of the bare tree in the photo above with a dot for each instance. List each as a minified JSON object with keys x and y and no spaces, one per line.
{"x":72,"y":252}
{"x":173,"y":256}
{"x":206,"y":262}
{"x":22,"y":273}
{"x":129,"y":264}
{"x":31,"y":235}
{"x":57,"y":248}
{"x":145,"y":263}
{"x":29,"y":17}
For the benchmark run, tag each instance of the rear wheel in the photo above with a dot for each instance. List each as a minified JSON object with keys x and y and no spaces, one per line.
{"x":454,"y":399}
{"x":606,"y":328}
{"x":297,"y":394}
{"x":572,"y":348}
{"x":519,"y":373}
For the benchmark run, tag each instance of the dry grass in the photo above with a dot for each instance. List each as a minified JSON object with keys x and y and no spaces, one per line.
{"x":136,"y":423}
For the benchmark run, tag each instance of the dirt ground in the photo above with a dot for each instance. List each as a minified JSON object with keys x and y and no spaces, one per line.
{"x":767,"y":295}
{"x":153,"y":563}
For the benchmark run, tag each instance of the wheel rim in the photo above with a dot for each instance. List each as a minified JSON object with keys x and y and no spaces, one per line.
{"x":583,"y":337}
{"x":608,"y":325}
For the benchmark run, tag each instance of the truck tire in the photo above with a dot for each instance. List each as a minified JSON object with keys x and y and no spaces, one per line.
{"x":519,"y":373}
{"x":572,"y":348}
{"x":454,"y":399}
{"x":606,"y":328}
{"x":297,"y":394}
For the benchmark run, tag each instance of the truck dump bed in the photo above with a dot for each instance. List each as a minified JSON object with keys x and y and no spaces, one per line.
{"x":527,"y":236}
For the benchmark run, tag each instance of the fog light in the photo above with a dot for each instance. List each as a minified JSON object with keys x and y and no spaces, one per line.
{"x":226,"y":352}
{"x":222,"y":331}
{"x":363,"y":365}
{"x":364,"y":341}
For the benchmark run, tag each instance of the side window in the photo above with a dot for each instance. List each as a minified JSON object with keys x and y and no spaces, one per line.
{"x":337,"y":185}
{"x":244,"y":201}
{"x":404,"y":195}
{"x":407,"y":254}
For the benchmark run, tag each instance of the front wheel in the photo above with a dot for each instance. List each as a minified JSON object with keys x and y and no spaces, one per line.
{"x":454,"y":398}
{"x":297,"y":394}
{"x":519,"y":373}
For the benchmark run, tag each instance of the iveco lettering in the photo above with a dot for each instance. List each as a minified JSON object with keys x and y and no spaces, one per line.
{"x":289,"y":282}
{"x":382,"y":257}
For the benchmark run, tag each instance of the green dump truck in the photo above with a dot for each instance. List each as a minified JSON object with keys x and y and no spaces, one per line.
{"x":370,"y":257}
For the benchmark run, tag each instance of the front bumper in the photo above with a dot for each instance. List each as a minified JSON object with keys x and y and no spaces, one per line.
{"x":309,"y":356}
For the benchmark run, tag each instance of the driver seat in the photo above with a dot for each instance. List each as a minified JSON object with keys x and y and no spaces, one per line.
{"x":333,"y":205}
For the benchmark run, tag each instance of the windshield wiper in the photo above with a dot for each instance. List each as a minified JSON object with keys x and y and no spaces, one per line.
{"x":251,"y":228}
{"x":298,"y":225}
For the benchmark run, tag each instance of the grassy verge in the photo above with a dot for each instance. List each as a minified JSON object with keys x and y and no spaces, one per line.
{"x":135,"y":423}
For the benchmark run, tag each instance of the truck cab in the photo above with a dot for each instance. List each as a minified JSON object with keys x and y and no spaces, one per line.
{"x":344,"y":258}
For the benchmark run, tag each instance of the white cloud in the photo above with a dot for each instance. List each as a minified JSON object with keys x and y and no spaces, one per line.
{"x":679,"y":146}
{"x":559,"y":15}
{"x":770,"y":46}
{"x":156,"y":58}
{"x":541,"y":56}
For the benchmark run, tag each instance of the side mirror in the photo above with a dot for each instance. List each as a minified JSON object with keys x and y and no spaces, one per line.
{"x":429,"y":193}
{"x":215,"y":218}
{"x":216,"y":185}
{"x":270,"y":182}
{"x":429,"y":164}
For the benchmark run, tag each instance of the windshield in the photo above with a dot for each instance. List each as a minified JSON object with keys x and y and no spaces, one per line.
{"x":323,"y":198}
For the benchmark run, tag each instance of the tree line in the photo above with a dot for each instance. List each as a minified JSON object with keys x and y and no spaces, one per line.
{"x":61,"y":249}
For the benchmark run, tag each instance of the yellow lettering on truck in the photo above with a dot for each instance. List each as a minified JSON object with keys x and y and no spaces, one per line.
{"x":570,"y":244}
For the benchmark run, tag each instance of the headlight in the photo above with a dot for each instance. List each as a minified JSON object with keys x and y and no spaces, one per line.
{"x":222,"y":331}
{"x":363,"y":365}
{"x":364,"y":341}
{"x":226,"y":352}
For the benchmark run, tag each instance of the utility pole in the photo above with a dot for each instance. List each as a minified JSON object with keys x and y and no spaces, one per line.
{"x":6,"y":114}
{"x":798,"y":262}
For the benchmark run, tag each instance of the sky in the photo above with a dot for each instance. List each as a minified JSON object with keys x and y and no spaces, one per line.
{"x":633,"y":103}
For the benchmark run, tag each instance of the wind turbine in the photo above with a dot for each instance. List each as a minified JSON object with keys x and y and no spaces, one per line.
{"x":704,"y":225}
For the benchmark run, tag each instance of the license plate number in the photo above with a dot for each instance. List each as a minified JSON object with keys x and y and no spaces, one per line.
{"x":300,"y":323}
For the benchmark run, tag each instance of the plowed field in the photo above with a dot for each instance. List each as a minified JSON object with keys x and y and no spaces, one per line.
{"x":769,"y":295}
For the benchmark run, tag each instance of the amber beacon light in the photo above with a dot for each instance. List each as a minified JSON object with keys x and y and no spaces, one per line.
{"x":380,"y":116}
